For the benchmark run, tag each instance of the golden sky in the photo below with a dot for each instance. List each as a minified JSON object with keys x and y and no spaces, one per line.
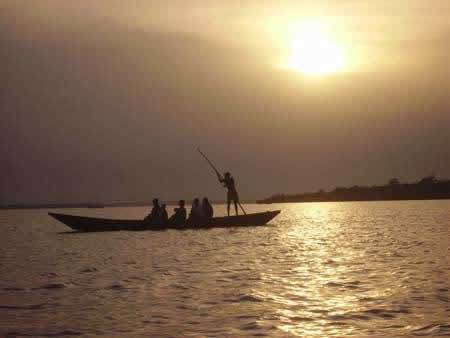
{"x":371,"y":34}
{"x":335,"y":92}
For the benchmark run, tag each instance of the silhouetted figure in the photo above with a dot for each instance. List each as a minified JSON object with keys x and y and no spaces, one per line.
{"x":207,"y":208}
{"x":196,"y":216}
{"x":154,"y":218}
{"x":178,"y":219}
{"x":164,"y":215}
{"x":232,"y":195}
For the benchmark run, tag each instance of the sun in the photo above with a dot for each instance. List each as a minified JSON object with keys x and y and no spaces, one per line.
{"x":313,"y":51}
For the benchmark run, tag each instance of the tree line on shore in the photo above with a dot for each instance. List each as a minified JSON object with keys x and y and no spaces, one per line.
{"x":427,"y":188}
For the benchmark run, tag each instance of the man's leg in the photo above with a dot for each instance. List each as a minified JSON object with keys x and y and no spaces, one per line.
{"x":236,"y":207}
{"x":228,"y":206}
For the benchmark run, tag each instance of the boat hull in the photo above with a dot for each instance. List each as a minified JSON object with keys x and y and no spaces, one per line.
{"x":91,"y":224}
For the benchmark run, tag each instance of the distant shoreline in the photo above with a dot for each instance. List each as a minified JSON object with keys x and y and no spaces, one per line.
{"x":428,"y":188}
{"x":356,"y":200}
{"x":72,"y":205}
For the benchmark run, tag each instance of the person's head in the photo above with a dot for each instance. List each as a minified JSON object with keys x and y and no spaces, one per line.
{"x":205,"y":200}
{"x":163,"y":205}
{"x":155,"y":202}
{"x":181,"y":203}
{"x":196,"y":201}
{"x":227,"y":175}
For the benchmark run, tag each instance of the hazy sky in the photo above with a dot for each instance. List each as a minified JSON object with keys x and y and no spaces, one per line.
{"x":106,"y":100}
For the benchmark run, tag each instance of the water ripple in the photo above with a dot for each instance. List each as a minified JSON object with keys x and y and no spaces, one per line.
{"x":44,"y":334}
{"x":378,"y":269}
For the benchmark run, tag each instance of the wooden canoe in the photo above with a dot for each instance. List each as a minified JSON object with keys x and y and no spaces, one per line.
{"x":90,"y":224}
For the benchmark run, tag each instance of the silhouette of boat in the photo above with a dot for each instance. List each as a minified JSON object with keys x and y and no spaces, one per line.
{"x":90,"y":224}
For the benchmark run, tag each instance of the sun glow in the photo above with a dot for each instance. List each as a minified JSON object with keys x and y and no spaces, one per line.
{"x":313,"y":51}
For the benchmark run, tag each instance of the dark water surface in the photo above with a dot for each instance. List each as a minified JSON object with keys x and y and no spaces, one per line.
{"x":363,"y":269}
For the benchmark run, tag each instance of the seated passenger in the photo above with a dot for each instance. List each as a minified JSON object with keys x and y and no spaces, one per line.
{"x":196,"y":216}
{"x":154,"y":218}
{"x":178,"y":219}
{"x":164,"y":216}
{"x":207,"y":208}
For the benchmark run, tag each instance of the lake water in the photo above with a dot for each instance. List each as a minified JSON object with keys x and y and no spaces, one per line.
{"x":362,"y":269}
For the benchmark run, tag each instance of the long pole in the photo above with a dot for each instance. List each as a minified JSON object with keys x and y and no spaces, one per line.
{"x":210,"y":163}
{"x":242,"y":208}
{"x":219,"y":176}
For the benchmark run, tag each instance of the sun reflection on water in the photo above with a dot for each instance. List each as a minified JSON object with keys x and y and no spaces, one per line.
{"x":328,"y":276}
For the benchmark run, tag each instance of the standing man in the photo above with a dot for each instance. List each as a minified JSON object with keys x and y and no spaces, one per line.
{"x":232,"y":195}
